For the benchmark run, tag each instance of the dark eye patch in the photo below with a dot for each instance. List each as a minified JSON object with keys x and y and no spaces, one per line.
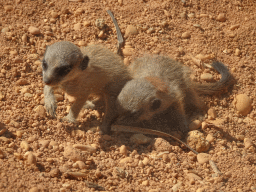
{"x":63,"y":71}
{"x":156,"y":104}
{"x":44,"y":65}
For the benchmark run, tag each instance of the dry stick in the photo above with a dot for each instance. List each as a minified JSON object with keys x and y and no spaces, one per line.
{"x":151,"y":132}
{"x":118,"y":32}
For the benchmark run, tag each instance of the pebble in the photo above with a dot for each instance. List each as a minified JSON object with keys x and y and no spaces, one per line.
{"x":81,"y":164}
{"x":82,"y":43}
{"x":5,"y":29}
{"x":237,"y":52}
{"x":86,"y":23}
{"x":44,"y":143}
{"x":127,"y":52}
{"x":233,"y":27}
{"x":176,"y":186}
{"x":126,"y":160}
{"x":194,"y":176}
{"x":146,"y":161}
{"x":54,"y":14}
{"x":77,"y":26}
{"x":183,"y":15}
{"x":88,"y":148}
{"x":243,"y":104}
{"x":73,"y":154}
{"x":247,"y":143}
{"x":185,"y":35}
{"x":197,"y":141}
{"x":107,"y":137}
{"x":140,"y":139}
{"x":194,"y":125}
{"x":17,"y":60}
{"x":54,"y":172}
{"x":31,"y":158}
{"x":70,"y":98}
{"x":98,"y":173}
{"x":204,"y":125}
{"x":1,"y":154}
{"x":221,"y":17}
{"x":22,"y":82}
{"x":59,"y":97}
{"x":100,"y":23}
{"x":33,"y":30}
{"x":34,"y":189}
{"x":67,"y":185}
{"x":212,"y":114}
{"x":161,"y":144}
{"x":150,"y":30}
{"x":126,"y":61}
{"x":191,"y":15}
{"x":24,"y":38}
{"x":207,"y":77}
{"x":131,"y":30}
{"x":145,"y":183}
{"x":210,"y":138}
{"x":19,"y":134}
{"x":24,"y":145}
{"x":8,"y":8}
{"x":203,"y":158}
{"x":240,"y":137}
{"x":123,"y":150}
{"x":197,"y":25}
{"x":40,"y":110}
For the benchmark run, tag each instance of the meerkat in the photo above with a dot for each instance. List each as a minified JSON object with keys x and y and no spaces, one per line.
{"x":162,"y":94}
{"x":81,"y":72}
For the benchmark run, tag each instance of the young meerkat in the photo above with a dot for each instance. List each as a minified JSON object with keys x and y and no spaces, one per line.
{"x":162,"y":94}
{"x":81,"y":72}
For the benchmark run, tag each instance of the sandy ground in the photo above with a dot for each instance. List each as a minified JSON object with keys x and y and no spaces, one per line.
{"x":38,"y":153}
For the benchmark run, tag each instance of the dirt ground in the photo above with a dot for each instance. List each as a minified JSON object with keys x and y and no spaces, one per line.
{"x":39,"y":153}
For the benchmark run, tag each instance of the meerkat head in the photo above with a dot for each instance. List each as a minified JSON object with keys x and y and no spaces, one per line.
{"x":142,"y":98}
{"x":62,"y":61}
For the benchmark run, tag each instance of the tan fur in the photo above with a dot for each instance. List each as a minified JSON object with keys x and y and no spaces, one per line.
{"x":93,"y":70}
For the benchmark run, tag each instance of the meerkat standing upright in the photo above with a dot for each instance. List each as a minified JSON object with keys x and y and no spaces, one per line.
{"x":80,"y":72}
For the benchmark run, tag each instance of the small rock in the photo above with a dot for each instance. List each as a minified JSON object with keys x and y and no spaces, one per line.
{"x":40,"y":110}
{"x":100,"y":23}
{"x":82,"y":43}
{"x":145,"y":161}
{"x":34,"y":30}
{"x":87,"y":23}
{"x":191,"y":15}
{"x":240,"y":137}
{"x":126,"y":160}
{"x":207,"y":77}
{"x":247,"y":143}
{"x":34,"y":189}
{"x":54,"y":14}
{"x":17,"y":60}
{"x":127,"y":52}
{"x":233,"y":27}
{"x":197,"y":141}
{"x":55,"y":172}
{"x":22,"y":82}
{"x":77,"y":26}
{"x":194,"y":176}
{"x":194,"y":125}
{"x":140,"y":139}
{"x":24,"y":145}
{"x":98,"y":173}
{"x":74,"y":154}
{"x":126,"y":61}
{"x":237,"y":52}
{"x":212,"y":114}
{"x":162,"y":145}
{"x":88,"y":148}
{"x":131,"y":30}
{"x":70,"y":98}
{"x":5,"y":29}
{"x":123,"y":150}
{"x":243,"y":104}
{"x":204,"y":125}
{"x":203,"y":158}
{"x":145,"y":183}
{"x":44,"y":143}
{"x":19,"y":134}
{"x":8,"y":8}
{"x":59,"y":97}
{"x":150,"y":30}
{"x":81,"y":164}
{"x":185,"y":35}
{"x":67,"y":185}
{"x":221,"y":17}
{"x":24,"y":38}
{"x":107,"y":137}
{"x":210,"y":138}
{"x":176,"y":186}
{"x":31,"y":158}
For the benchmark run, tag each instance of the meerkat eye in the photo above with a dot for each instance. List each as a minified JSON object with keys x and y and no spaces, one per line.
{"x":63,"y":71}
{"x":44,"y":65}
{"x":156,"y":104}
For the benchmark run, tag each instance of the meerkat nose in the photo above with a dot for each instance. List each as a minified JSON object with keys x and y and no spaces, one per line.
{"x":47,"y":81}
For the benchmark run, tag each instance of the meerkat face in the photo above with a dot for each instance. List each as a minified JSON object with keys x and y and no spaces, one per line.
{"x":62,"y":61}
{"x":139,"y":100}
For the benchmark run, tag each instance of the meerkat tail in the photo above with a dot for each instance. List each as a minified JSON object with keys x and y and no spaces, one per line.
{"x":223,"y":84}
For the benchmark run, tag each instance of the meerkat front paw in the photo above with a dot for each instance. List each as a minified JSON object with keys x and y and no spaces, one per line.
{"x":50,"y":107}
{"x":69,"y":119}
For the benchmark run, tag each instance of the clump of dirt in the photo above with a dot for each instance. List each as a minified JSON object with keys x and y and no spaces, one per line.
{"x":38,"y":153}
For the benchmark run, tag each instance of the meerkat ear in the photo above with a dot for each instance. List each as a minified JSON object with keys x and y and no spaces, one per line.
{"x":155,"y":104}
{"x":84,"y":63}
